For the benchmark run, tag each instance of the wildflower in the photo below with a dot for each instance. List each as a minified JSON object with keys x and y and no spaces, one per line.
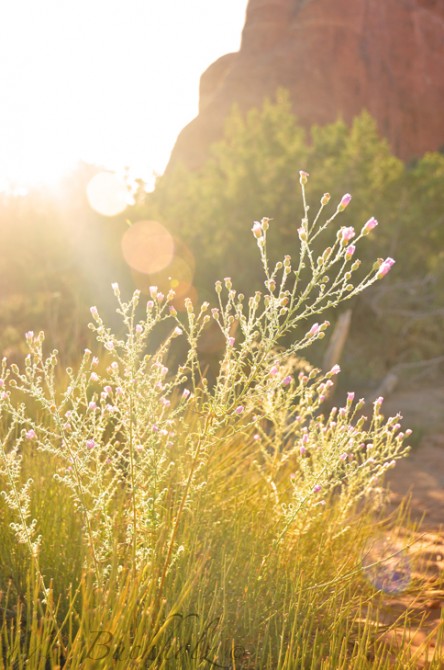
{"x":345,"y":201}
{"x":29,"y":335}
{"x":177,"y":331}
{"x":94,"y":312}
{"x":343,"y":457}
{"x":2,"y":383}
{"x":94,"y":377}
{"x":350,"y":251}
{"x":303,"y":177}
{"x":369,"y":226}
{"x":108,"y":389}
{"x":350,"y":397}
{"x":115,"y":288}
{"x":274,"y":370}
{"x":109,"y":345}
{"x":153,"y":292}
{"x":119,"y":390}
{"x":335,"y":370}
{"x":30,"y":434}
{"x":139,"y":329}
{"x":90,"y":444}
{"x":92,"y":405}
{"x":302,"y":450}
{"x":239,"y":409}
{"x":257,"y":230}
{"x":287,"y":380}
{"x":231,"y":341}
{"x":314,"y":330}
{"x":346,"y":234}
{"x":185,"y":394}
{"x":149,"y":305}
{"x":385,"y":267}
{"x":317,"y":488}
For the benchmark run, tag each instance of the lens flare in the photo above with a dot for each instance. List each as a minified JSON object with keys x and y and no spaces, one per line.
{"x":107,"y":194}
{"x":147,"y":247}
{"x":386,"y":565}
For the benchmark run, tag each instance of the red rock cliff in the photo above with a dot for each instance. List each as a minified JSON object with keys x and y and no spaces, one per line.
{"x":336,"y":57}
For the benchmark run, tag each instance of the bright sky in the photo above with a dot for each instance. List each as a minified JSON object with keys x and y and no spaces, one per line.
{"x":110,"y":82}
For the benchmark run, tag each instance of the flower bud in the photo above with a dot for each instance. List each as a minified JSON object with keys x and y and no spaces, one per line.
{"x":257,"y":229}
{"x":385,"y":267}
{"x":303,"y":177}
{"x":369,"y":226}
{"x":325,"y":199}
{"x":345,"y":201}
{"x":350,"y":251}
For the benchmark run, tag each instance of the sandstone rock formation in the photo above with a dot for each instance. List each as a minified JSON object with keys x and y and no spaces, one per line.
{"x":336,"y":58}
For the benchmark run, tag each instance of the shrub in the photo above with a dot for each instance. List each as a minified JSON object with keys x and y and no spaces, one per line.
{"x":178,"y":495}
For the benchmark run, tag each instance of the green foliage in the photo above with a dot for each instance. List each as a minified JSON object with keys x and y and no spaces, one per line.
{"x":252,"y":171}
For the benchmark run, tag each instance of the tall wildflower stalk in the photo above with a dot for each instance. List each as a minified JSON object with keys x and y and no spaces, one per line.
{"x":134,"y":437}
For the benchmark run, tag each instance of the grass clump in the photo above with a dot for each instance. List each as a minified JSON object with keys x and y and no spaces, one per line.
{"x":150,"y":519}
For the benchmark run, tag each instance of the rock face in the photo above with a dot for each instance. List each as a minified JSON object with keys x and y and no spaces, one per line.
{"x":336,"y":58}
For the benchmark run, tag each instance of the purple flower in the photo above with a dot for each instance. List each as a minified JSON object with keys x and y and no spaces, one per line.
{"x":302,"y":451}
{"x":385,"y":267}
{"x":371,"y":223}
{"x":343,"y":457}
{"x":350,"y":251}
{"x":185,"y":394}
{"x":347,"y":233}
{"x":345,"y":200}
{"x":239,"y":409}
{"x":350,"y":397}
{"x":314,"y":330}
{"x":231,"y":341}
{"x":30,"y":434}
{"x":317,"y":488}
{"x":90,"y":444}
{"x":335,"y":370}
{"x":287,"y":380}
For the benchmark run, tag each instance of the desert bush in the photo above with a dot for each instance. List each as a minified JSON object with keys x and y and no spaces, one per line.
{"x":143,"y":506}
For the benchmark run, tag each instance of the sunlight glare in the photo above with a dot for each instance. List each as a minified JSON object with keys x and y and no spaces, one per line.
{"x":147,"y":247}
{"x":107,"y":194}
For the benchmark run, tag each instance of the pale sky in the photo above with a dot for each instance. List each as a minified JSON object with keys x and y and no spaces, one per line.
{"x":110,"y":82}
